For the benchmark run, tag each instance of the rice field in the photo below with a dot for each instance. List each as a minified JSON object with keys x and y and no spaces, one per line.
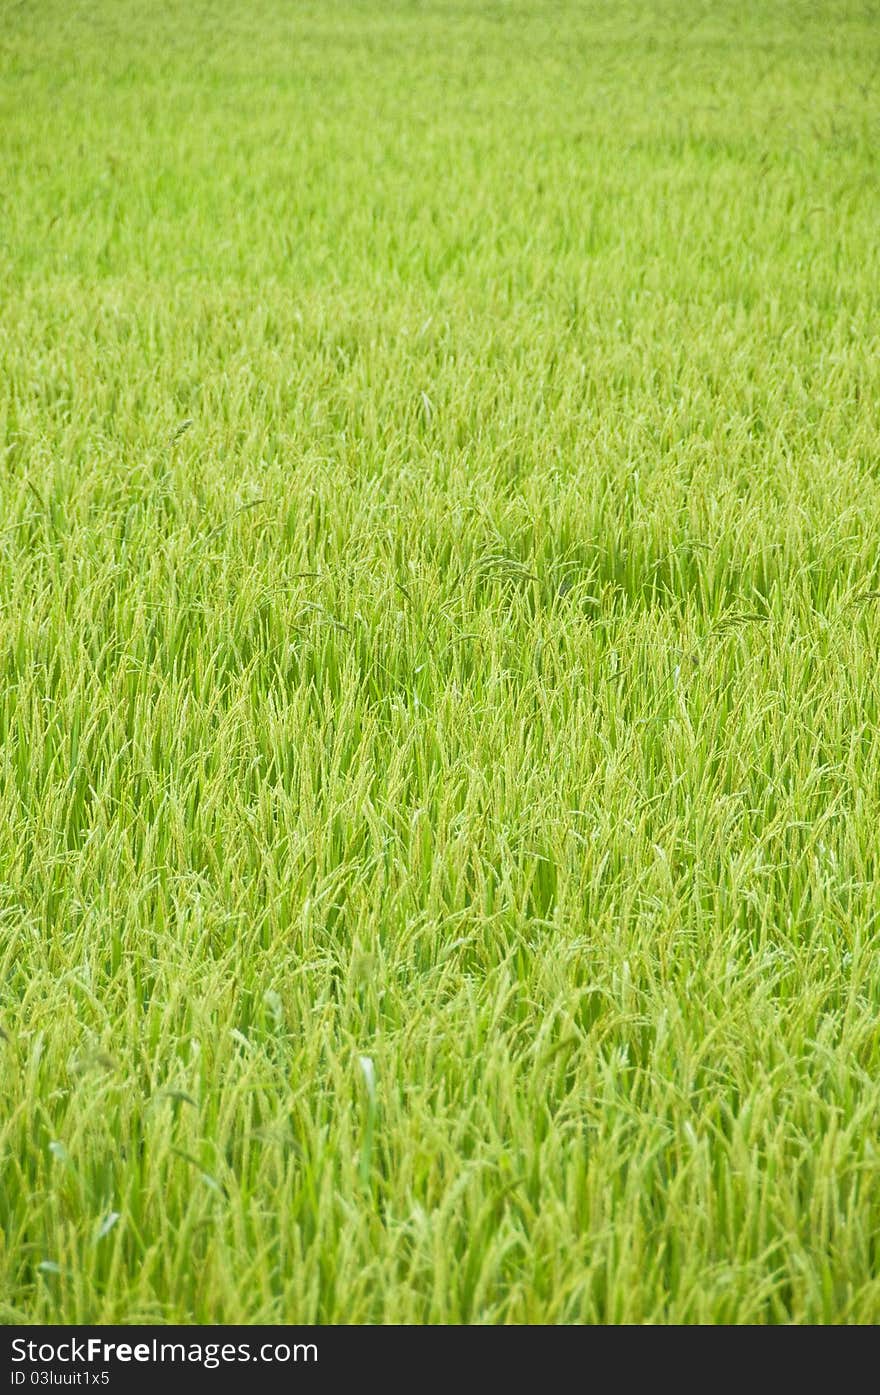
{"x":439,"y":661}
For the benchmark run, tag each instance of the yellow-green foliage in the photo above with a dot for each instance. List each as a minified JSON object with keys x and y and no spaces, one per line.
{"x":439,"y":575}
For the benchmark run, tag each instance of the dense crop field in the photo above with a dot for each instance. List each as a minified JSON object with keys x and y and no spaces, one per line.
{"x":439,"y":655}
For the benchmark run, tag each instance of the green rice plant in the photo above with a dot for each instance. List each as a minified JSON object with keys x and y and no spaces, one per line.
{"x":439,"y":762}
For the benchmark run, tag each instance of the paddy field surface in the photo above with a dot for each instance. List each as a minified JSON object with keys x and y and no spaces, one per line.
{"x":439,"y":657}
